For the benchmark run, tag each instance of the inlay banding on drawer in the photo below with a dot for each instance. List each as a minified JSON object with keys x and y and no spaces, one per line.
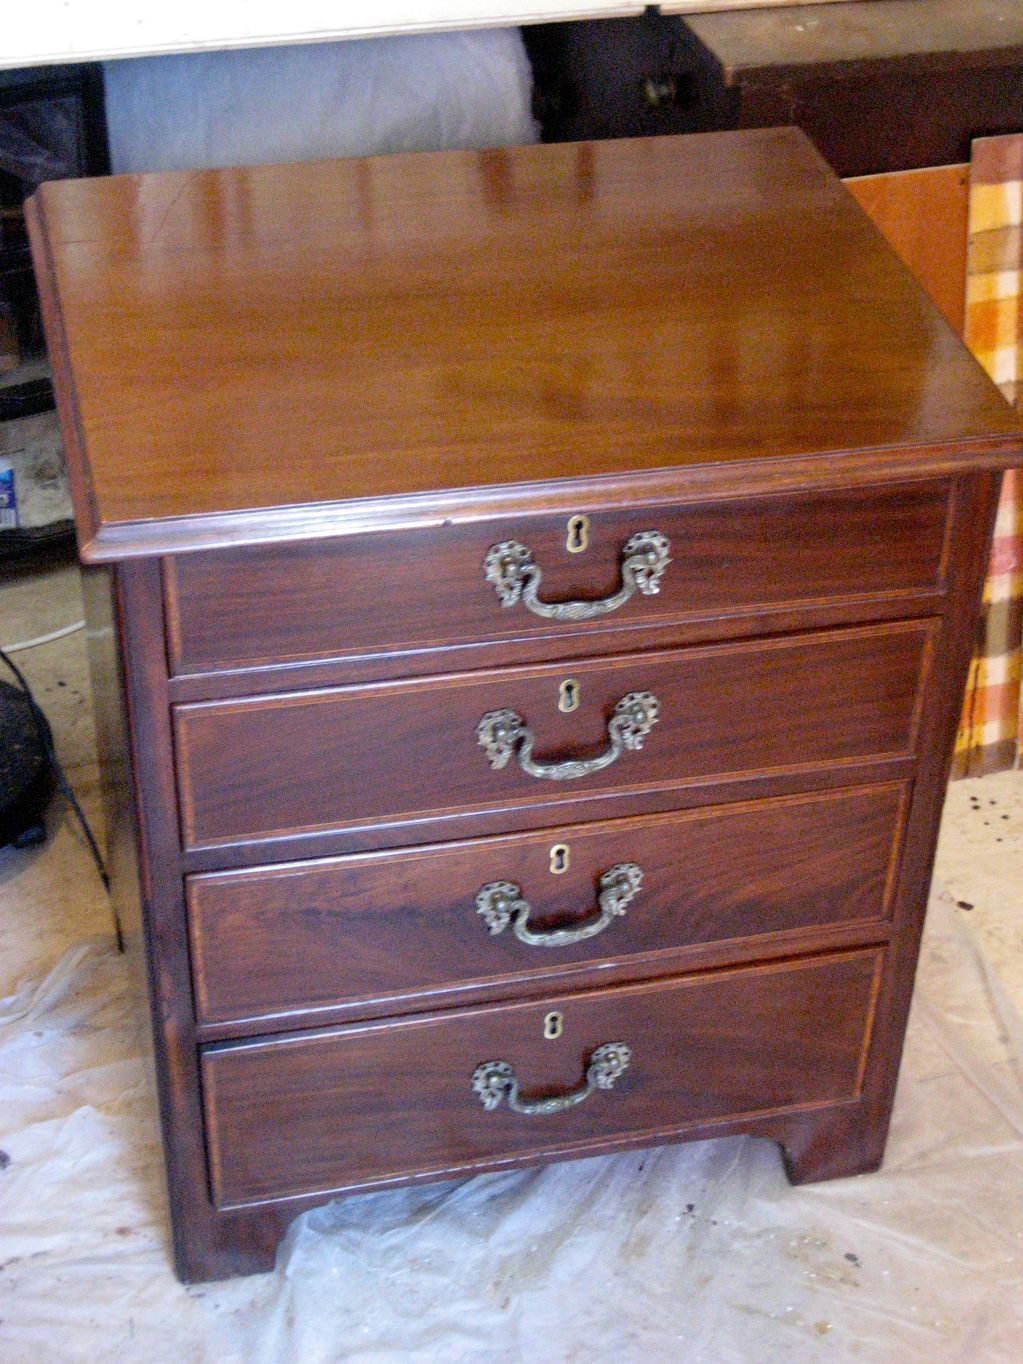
{"x":453,"y":472}
{"x":246,"y":607}
{"x":316,"y":1112}
{"x":405,"y":926}
{"x":352,"y":757}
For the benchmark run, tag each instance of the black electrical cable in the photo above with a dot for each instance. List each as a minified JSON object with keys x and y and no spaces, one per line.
{"x":63,"y":785}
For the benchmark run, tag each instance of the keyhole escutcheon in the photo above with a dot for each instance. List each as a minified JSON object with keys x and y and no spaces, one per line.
{"x":578,"y":534}
{"x":568,"y":696}
{"x":553,"y":1025}
{"x":559,"y":859}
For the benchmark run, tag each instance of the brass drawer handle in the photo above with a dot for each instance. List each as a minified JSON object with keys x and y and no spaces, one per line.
{"x":502,"y":732}
{"x":494,"y":1079}
{"x":500,"y":904}
{"x":512,"y":570}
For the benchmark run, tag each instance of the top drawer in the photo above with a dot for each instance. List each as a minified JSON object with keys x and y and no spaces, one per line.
{"x":427,"y":590}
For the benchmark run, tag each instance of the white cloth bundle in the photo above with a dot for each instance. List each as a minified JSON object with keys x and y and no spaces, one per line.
{"x":417,"y":93}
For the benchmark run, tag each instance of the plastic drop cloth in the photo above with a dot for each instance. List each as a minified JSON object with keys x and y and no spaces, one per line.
{"x":424,"y":92}
{"x":698,"y":1252}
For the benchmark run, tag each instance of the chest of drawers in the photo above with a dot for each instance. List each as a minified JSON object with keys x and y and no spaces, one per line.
{"x":540,"y":586}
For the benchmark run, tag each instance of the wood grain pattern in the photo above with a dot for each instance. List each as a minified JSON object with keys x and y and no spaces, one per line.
{"x":527,"y":648}
{"x":973,"y":533}
{"x":250,"y":607}
{"x":309,"y":349}
{"x":205,"y":1244}
{"x":394,"y":926}
{"x":327,"y":1111}
{"x":342,"y":757}
{"x":511,"y":338}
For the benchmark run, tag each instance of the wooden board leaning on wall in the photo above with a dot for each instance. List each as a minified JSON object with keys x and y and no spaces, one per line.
{"x":923,"y":216}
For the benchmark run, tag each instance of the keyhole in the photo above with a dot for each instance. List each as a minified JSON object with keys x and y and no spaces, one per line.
{"x":578,"y":534}
{"x":553,"y":1025}
{"x":559,"y":858}
{"x":568,"y":695}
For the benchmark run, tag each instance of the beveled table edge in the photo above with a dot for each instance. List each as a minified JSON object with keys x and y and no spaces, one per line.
{"x":115,"y":541}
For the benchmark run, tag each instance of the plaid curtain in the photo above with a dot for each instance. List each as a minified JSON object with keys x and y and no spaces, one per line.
{"x":990,"y":731}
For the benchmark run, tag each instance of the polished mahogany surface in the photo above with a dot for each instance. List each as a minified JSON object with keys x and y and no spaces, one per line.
{"x":300,"y":405}
{"x":327,"y":594}
{"x":341,"y":758}
{"x":293,"y":1115}
{"x":412,"y":336}
{"x":330,"y":927}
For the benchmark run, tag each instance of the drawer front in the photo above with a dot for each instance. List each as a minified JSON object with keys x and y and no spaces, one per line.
{"x":381,"y":926}
{"x":383,"y":755}
{"x":318,"y":1112}
{"x":427,"y":589}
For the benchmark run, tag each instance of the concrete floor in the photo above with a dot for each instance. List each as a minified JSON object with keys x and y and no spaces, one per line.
{"x":875,"y":1269}
{"x":51,"y":898}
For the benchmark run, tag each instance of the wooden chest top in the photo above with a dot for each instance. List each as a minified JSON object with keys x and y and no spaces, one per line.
{"x":317,"y":349}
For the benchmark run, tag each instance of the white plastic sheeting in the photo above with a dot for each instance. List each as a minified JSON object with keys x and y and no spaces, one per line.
{"x":419,"y":93}
{"x":697,"y":1254}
